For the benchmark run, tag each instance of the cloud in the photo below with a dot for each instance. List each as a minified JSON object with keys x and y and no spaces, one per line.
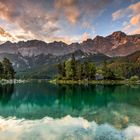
{"x":136,"y":30}
{"x":70,"y":9}
{"x":135,"y":8}
{"x":66,"y":39}
{"x":119,"y":14}
{"x":71,"y":39}
{"x":133,"y":13}
{"x":75,"y":10}
{"x":5,"y":34}
{"x":135,"y":20}
{"x":30,"y":16}
{"x":85,"y":36}
{"x":45,"y":19}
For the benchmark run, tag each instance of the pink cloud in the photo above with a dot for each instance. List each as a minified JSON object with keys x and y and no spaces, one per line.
{"x":133,"y":13}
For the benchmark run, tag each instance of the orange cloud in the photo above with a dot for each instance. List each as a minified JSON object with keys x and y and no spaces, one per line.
{"x":74,"y":10}
{"x":45,"y":19}
{"x":135,"y":20}
{"x":71,"y":11}
{"x":133,"y":12}
{"x":72,"y":14}
{"x":5,"y":11}
{"x":135,"y":8}
{"x":5,"y":34}
{"x":30,"y":17}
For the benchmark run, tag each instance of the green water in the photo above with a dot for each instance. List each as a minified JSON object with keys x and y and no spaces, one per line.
{"x":115,"y":105}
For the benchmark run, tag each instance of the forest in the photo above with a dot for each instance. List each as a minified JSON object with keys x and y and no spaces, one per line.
{"x":73,"y":69}
{"x":6,"y":69}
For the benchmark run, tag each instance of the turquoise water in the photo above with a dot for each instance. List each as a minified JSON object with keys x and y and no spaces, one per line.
{"x":43,"y":111}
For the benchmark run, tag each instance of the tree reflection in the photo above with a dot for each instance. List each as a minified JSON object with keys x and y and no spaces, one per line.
{"x":6,"y":92}
{"x":79,"y":96}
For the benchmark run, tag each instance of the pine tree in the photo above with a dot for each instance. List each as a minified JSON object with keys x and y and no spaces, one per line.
{"x":8,"y":71}
{"x":1,"y":70}
{"x":91,"y":71}
{"x":73,"y":67}
{"x":79,"y":70}
{"x":70,"y":67}
{"x":85,"y":70}
{"x":69,"y":71}
{"x":61,"y":69}
{"x":108,"y":73}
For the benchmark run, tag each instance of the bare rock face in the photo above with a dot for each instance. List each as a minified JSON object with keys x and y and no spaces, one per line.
{"x":123,"y":44}
{"x":116,"y":44}
{"x":30,"y":53}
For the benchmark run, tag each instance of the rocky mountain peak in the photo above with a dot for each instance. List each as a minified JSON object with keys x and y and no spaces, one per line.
{"x":7,"y":43}
{"x":118,"y":34}
{"x":98,"y":38}
{"x":116,"y":44}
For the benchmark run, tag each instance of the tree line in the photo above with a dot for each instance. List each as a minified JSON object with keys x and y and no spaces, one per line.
{"x":73,"y":69}
{"x":6,"y":69}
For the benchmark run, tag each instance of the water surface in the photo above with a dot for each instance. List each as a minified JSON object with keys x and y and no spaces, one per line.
{"x":47,"y":111}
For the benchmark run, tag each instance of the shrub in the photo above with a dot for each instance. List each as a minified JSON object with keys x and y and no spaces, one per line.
{"x":134,"y":78}
{"x":58,"y":77}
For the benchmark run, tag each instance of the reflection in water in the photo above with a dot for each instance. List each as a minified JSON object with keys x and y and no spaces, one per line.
{"x":67,"y":128}
{"x":6,"y":93}
{"x":117,"y":105}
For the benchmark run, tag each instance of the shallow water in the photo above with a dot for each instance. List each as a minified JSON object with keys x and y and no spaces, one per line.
{"x":41,"y":111}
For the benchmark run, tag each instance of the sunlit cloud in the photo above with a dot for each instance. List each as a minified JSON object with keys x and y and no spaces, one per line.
{"x":59,"y":20}
{"x":133,"y":13}
{"x":44,"y":19}
{"x":119,"y":14}
{"x":85,"y":36}
{"x":5,"y":35}
{"x":135,"y":20}
{"x":69,"y":9}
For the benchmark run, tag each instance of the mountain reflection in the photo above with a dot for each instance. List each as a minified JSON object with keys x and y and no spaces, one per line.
{"x":36,"y":100}
{"x":75,"y":96}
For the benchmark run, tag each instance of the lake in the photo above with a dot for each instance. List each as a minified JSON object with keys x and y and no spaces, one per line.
{"x":43,"y":111}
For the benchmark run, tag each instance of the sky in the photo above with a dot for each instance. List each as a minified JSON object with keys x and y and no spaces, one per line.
{"x":66,"y":20}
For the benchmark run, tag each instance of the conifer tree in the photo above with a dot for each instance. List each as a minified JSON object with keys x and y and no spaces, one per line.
{"x":8,"y":71}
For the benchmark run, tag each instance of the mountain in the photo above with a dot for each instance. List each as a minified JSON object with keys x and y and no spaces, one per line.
{"x":127,"y":65}
{"x":132,"y":58}
{"x":35,"y":53}
{"x":116,"y":44}
{"x":45,"y":66}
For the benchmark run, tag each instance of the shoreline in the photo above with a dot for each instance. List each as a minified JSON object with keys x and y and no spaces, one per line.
{"x":95,"y":82}
{"x":72,"y":82}
{"x":12,"y":81}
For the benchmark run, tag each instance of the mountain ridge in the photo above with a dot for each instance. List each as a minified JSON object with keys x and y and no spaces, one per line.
{"x":34,"y":53}
{"x":111,"y":45}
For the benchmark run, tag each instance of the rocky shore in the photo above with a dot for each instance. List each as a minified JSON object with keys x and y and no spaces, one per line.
{"x":12,"y":81}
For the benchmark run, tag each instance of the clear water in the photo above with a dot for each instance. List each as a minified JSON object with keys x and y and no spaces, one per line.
{"x":42,"y":111}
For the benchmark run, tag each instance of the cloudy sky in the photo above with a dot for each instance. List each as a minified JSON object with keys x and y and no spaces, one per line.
{"x":67,"y":20}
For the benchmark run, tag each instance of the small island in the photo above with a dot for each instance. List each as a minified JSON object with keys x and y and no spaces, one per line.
{"x":73,"y":71}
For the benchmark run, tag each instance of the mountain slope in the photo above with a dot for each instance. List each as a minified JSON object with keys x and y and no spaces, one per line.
{"x":35,"y":53}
